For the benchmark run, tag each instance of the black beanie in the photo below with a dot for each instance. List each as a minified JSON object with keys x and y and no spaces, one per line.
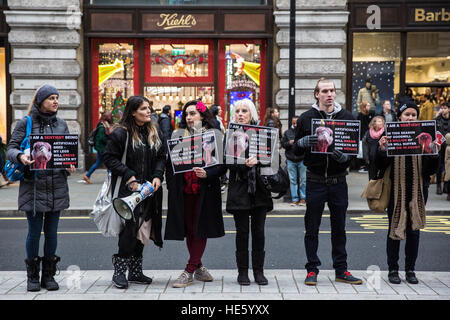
{"x":44,"y":92}
{"x":405,"y":106}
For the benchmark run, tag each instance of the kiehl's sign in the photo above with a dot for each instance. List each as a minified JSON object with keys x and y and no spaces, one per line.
{"x":177,"y":22}
{"x":436,"y":15}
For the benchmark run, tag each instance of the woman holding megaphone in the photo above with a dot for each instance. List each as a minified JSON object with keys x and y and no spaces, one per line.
{"x":145,"y":161}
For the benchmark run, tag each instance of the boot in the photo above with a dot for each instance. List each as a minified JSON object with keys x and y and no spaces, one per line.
{"x":33,"y":268}
{"x":135,"y":274}
{"x":120,"y":268}
{"x":48,"y":272}
{"x":258,"y":267}
{"x":438,"y":188}
{"x":242,"y":264}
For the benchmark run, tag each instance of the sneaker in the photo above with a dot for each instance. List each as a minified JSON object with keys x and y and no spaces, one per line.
{"x":202,"y":274}
{"x":411,"y":277}
{"x":348,"y":278}
{"x":302,"y":203}
{"x":362,"y":170}
{"x":185,"y":279}
{"x":393,"y":277}
{"x":88,"y":181}
{"x":311,"y":279}
{"x":294,"y":203}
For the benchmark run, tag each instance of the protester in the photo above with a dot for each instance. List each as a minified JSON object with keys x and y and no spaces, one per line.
{"x":447,"y":168}
{"x":145,"y":161}
{"x":194,"y":200}
{"x":165,"y":122}
{"x":388,"y":114}
{"x":295,"y":166}
{"x":325,"y":182}
{"x":365,"y":115}
{"x":370,"y":145}
{"x":443,"y":126}
{"x":247,"y":198}
{"x":103,"y":129}
{"x":42,"y":193}
{"x":409,"y":192}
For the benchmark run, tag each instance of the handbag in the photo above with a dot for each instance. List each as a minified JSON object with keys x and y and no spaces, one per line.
{"x":15,"y":170}
{"x":276,"y":183}
{"x":377,"y":192}
{"x":103,"y":214}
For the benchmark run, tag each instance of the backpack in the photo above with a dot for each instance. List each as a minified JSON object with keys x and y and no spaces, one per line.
{"x":91,"y":138}
{"x":15,"y":171}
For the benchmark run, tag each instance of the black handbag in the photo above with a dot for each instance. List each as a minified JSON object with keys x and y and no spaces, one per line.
{"x":277,"y":183}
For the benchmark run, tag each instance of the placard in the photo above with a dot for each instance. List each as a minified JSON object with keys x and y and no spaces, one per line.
{"x":410,"y":138}
{"x":53,"y":151}
{"x":245,"y":141}
{"x":342,"y":135}
{"x":198,"y":150}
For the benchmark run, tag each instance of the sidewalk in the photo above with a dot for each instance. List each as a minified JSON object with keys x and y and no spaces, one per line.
{"x":283,"y":285}
{"x":82,"y":197}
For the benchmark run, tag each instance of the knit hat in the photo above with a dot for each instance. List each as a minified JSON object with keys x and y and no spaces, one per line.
{"x":405,"y":106}
{"x":44,"y":92}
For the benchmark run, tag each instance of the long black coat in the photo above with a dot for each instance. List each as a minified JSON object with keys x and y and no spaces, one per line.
{"x":144,"y":163}
{"x":210,"y":217}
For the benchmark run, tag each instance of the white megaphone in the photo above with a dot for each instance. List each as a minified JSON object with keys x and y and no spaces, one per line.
{"x":125,"y":206}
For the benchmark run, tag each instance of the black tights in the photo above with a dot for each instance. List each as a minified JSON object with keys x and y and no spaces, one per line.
{"x":258,"y":220}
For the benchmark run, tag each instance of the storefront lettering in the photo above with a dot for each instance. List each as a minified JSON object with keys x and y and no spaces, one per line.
{"x":422,"y":15}
{"x":171,"y":21}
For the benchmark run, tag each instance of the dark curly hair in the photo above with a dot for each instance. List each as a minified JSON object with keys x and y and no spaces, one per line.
{"x":207,"y":121}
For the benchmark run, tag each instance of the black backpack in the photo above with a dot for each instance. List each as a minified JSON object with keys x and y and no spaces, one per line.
{"x":91,"y":138}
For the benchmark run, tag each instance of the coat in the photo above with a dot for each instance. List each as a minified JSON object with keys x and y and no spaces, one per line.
{"x":52,"y":190}
{"x":210,"y":217}
{"x":144,"y":163}
{"x":290,"y":153}
{"x":447,"y":159}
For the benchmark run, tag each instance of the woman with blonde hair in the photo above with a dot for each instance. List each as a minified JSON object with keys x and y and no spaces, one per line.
{"x":42,"y":193}
{"x":145,"y":161}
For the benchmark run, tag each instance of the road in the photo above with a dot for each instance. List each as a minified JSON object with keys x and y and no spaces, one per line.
{"x":79,"y":243}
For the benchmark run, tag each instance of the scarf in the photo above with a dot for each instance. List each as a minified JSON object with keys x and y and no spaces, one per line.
{"x":407,"y":185}
{"x":376,"y":134}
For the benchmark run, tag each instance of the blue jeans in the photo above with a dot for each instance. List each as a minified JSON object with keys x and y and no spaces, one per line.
{"x":96,"y":164}
{"x":297,"y":170}
{"x":34,"y":233}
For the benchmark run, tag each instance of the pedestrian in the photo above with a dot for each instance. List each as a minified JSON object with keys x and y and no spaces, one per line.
{"x":370,"y":145}
{"x":295,"y":166}
{"x":43,"y":193}
{"x":165,"y":123}
{"x":388,"y":114}
{"x":194,"y":208}
{"x":272,"y":119}
{"x":154,"y":116}
{"x":409,"y":177}
{"x":103,"y":129}
{"x":365,"y":115}
{"x":247,"y":198}
{"x":443,"y":126}
{"x":2,"y":163}
{"x":426,"y":107}
{"x":145,"y":161}
{"x":325,"y":182}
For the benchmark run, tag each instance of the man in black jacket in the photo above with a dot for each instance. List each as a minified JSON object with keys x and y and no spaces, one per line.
{"x":165,"y":122}
{"x":295,"y":166}
{"x":325,"y":182}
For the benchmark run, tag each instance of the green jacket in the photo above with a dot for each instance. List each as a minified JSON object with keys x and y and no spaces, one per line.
{"x":100,"y":138}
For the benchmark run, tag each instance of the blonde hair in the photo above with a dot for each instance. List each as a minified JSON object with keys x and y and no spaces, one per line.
{"x":372,"y":122}
{"x":316,"y":89}
{"x":33,"y":100}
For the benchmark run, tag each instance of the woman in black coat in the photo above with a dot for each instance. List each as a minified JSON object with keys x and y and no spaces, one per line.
{"x":194,"y":200}
{"x":42,"y":193}
{"x":410,"y":179}
{"x":145,"y":161}
{"x":247,"y":197}
{"x":370,"y":144}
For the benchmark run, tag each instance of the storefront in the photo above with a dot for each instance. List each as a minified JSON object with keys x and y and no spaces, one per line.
{"x":398,"y":47}
{"x":173,"y":54}
{"x":4,"y":89}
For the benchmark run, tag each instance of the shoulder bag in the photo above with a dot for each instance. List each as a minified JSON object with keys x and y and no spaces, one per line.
{"x":377,"y":192}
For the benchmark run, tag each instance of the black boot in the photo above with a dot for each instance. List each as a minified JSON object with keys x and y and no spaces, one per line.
{"x":120,"y":268}
{"x":258,"y":267}
{"x":438,"y":188}
{"x":242,"y":264}
{"x":48,"y":272}
{"x":135,"y":274}
{"x":33,"y":268}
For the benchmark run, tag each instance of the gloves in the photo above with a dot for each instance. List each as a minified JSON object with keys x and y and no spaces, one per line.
{"x":339,"y":156}
{"x":307,"y":141}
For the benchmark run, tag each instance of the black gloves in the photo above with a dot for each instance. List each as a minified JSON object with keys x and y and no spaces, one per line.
{"x":339,"y":156}
{"x":307,"y":141}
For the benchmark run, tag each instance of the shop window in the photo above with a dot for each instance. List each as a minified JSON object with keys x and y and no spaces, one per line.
{"x":179,"y":2}
{"x":375,"y":69}
{"x":241,"y":64}
{"x":3,"y":95}
{"x":115,"y":77}
{"x":428,"y":57}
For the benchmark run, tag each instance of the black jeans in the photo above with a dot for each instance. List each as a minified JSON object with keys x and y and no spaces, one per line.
{"x":242,"y":223}
{"x":411,"y":243}
{"x":337,"y":197}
